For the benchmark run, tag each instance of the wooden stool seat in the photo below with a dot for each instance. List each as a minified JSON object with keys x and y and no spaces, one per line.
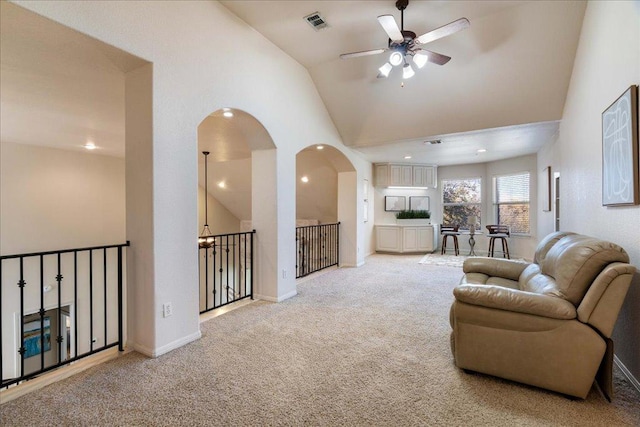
{"x":449,"y":231}
{"x":501,"y":232}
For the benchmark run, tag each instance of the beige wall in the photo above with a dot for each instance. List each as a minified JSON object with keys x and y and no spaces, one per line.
{"x":606,"y":64}
{"x":221,"y":221}
{"x":190,"y":79}
{"x":56,"y":199}
{"x":318,"y":198}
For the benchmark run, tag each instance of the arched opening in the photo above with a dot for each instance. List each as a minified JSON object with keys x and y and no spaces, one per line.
{"x":326,"y":193}
{"x":73,"y":113}
{"x":236,"y":142}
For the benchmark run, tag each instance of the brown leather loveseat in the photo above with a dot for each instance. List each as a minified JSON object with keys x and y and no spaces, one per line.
{"x":547,"y":323}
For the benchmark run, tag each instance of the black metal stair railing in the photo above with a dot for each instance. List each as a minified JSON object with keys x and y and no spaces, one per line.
{"x":226,"y":269}
{"x":317,"y":247}
{"x":57,"y":307}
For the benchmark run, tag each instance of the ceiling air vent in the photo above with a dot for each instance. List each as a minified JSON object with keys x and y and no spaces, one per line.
{"x":433,"y":142}
{"x":316,"y":21}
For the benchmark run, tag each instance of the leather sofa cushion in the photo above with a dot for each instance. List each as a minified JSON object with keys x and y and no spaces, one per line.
{"x":547,"y":243}
{"x":575,"y":261}
{"x":515,"y":300}
{"x":532,"y":280}
{"x":493,"y":267}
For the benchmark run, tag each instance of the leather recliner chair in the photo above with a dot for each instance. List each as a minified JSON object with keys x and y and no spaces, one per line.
{"x":546,"y":323}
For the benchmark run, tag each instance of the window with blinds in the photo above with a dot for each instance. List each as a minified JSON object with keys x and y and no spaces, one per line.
{"x":511,"y":200}
{"x":461,"y":200}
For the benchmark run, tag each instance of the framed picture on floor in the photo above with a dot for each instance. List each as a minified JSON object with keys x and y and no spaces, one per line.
{"x":620,"y":151}
{"x":32,"y":333}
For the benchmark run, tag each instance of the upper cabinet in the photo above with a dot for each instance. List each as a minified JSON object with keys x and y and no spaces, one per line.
{"x":405,"y":175}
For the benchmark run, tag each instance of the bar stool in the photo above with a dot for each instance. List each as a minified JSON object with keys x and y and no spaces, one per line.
{"x":501,"y":232}
{"x":449,"y":231}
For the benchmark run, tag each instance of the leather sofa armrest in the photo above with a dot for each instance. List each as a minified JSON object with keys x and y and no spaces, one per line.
{"x":515,"y":300}
{"x":505,"y":268}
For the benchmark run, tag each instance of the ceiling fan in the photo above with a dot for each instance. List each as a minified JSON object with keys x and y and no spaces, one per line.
{"x":405,"y":45}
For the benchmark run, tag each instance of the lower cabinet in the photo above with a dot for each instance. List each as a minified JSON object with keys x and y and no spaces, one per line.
{"x":406,"y":238}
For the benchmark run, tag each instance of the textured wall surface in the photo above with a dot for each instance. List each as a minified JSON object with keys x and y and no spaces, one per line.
{"x":607,"y":63}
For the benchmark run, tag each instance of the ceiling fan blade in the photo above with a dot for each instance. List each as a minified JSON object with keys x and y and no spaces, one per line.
{"x":390,"y":27}
{"x":362,"y":53}
{"x":445,"y":30}
{"x":434,"y":57}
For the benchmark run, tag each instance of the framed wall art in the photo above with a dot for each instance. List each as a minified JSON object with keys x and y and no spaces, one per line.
{"x":419,"y":203}
{"x":620,"y":151}
{"x":546,"y":189}
{"x":395,"y":203}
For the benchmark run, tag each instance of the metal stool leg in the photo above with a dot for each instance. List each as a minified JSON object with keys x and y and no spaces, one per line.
{"x":505,"y":248}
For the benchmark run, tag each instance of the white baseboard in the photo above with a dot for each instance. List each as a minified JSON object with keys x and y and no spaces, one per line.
{"x":153,"y":353}
{"x":288,"y":295}
{"x":634,"y":382}
{"x":351,"y":265}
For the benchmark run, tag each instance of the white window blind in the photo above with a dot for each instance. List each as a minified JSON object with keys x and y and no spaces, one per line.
{"x":511,"y":198}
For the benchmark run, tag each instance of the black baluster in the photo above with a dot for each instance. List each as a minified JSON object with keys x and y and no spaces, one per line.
{"x":106,"y":316}
{"x":120,"y":302}
{"x":59,"y":337}
{"x":91,"y":300}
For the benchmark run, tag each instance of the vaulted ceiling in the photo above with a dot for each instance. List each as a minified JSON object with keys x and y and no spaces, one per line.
{"x":503,"y":91}
{"x":511,"y":68}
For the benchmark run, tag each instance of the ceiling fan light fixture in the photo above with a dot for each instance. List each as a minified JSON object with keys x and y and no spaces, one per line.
{"x":395,"y":58}
{"x":384,"y":70}
{"x":407,"y":72}
{"x":420,"y":59}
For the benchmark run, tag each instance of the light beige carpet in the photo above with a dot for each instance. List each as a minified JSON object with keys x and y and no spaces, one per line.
{"x":364,"y":346}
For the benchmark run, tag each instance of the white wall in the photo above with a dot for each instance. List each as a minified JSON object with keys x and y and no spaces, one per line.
{"x":548,"y":156}
{"x":56,"y":199}
{"x":195,"y":71}
{"x":607,"y":62}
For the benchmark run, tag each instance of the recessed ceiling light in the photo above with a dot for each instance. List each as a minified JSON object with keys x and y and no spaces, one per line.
{"x":221,"y":184}
{"x":90,"y":146}
{"x":482,"y":150}
{"x":304,"y":179}
{"x":227,"y":112}
{"x":407,"y":157}
{"x":320,"y":147}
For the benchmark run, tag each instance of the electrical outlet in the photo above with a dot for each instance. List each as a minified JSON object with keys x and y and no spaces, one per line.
{"x":167,"y":309}
{"x":284,"y":274}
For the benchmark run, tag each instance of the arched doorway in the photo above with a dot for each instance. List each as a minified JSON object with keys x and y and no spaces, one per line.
{"x":326,"y":192}
{"x":236,"y":142}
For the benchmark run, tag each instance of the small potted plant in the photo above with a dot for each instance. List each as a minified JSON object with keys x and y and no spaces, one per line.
{"x":413,"y":217}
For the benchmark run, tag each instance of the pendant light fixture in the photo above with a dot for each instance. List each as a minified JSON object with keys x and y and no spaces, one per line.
{"x":206,"y":240}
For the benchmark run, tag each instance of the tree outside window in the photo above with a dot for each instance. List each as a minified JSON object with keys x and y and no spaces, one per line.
{"x":461,"y":199}
{"x":511,"y":199}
